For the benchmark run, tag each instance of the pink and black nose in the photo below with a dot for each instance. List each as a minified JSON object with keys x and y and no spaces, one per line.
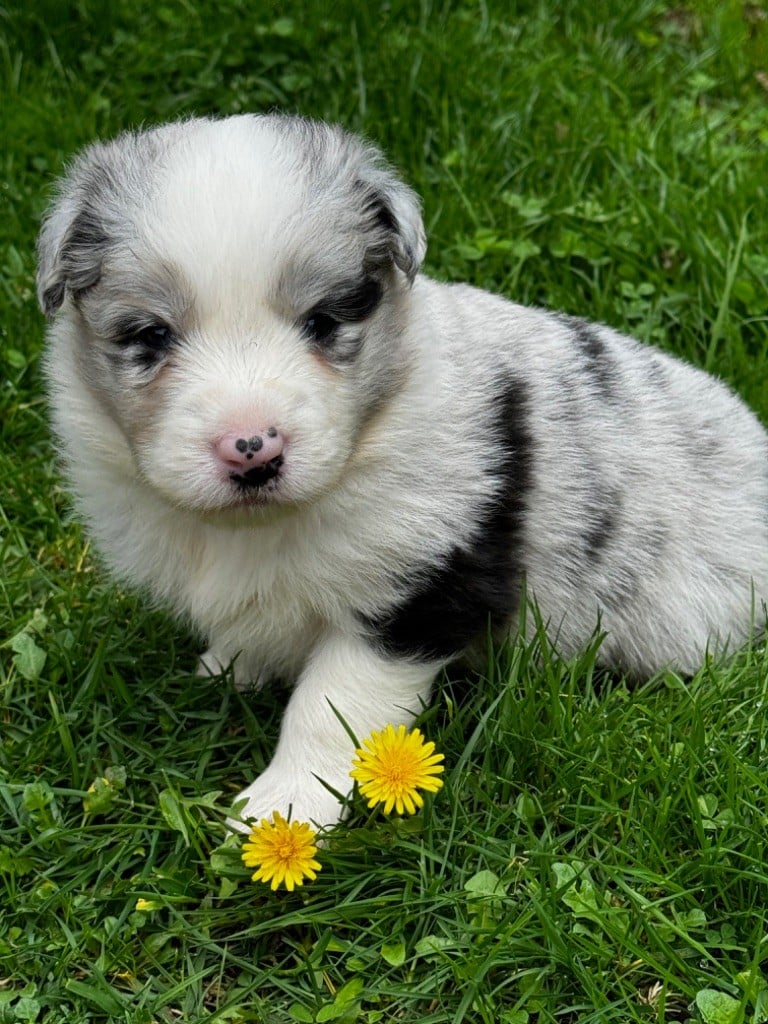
{"x":251,"y":458}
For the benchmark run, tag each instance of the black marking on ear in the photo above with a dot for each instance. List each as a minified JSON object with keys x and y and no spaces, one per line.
{"x":85,"y":217}
{"x":453,"y":602}
{"x":387,"y":242}
{"x":83,"y":251}
{"x":77,"y":265}
{"x":53,"y":297}
{"x":382,"y":229}
{"x":383,"y":214}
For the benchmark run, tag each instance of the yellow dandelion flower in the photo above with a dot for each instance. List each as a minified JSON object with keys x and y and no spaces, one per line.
{"x":282,"y":851}
{"x":392,"y":766}
{"x":144,"y":906}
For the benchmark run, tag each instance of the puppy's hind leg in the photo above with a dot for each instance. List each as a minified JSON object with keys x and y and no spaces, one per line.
{"x":314,"y":753}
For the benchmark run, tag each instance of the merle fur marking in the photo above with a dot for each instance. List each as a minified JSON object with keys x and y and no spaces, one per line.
{"x":356,"y":303}
{"x":325,"y":321}
{"x":598,"y":359}
{"x":658,"y":376}
{"x":80,"y":269}
{"x":603,"y":526}
{"x":455,"y":601}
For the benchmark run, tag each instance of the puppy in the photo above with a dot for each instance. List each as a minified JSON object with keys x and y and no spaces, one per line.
{"x":339,"y":471}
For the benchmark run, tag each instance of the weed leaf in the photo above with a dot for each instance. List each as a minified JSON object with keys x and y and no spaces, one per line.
{"x":29,"y":659}
{"x":718,"y":1007}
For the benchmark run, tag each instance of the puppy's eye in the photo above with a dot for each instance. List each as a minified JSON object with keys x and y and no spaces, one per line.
{"x":320,"y":327}
{"x":155,"y":337}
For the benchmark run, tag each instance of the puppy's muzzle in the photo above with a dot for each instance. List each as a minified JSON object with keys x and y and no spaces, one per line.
{"x":251,"y":459}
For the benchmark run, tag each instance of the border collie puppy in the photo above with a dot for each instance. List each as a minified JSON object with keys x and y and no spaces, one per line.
{"x":340,"y":471}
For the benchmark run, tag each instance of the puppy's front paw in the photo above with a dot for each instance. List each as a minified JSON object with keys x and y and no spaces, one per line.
{"x":302,"y":797}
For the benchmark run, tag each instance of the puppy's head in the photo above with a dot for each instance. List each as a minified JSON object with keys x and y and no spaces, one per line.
{"x":228,"y":297}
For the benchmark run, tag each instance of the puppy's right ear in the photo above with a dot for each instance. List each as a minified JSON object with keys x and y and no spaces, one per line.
{"x":74,"y":239}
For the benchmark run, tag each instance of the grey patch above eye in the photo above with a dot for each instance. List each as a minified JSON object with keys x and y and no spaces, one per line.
{"x":90,"y":213}
{"x":349,"y":307}
{"x":355,"y":304}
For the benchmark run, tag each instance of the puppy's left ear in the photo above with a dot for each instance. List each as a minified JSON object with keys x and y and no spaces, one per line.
{"x":395,"y":214}
{"x":400,"y":213}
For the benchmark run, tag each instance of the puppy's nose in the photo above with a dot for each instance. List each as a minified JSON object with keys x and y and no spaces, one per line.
{"x":244,"y":450}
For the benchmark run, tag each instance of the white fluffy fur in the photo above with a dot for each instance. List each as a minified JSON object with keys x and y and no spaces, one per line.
{"x":230,"y":231}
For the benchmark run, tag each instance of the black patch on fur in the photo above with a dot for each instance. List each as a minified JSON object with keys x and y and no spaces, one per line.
{"x":597,"y":357}
{"x":455,"y":601}
{"x":599,"y":534}
{"x":604,"y":521}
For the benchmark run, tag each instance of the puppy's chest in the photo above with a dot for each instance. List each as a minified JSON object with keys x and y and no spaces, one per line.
{"x":273,"y":583}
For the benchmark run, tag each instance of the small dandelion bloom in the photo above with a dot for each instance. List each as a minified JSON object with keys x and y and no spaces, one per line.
{"x":144,"y":906}
{"x":282,"y":851}
{"x":392,"y":766}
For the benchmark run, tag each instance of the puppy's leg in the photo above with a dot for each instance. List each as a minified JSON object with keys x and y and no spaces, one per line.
{"x":368,"y":691}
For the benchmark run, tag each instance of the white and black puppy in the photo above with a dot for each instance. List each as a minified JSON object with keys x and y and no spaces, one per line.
{"x":340,"y":471}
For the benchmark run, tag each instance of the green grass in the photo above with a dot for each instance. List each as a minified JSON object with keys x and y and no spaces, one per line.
{"x":597,"y":852}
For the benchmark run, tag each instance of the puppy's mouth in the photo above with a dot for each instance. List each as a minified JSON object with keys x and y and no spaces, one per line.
{"x":259,"y":479}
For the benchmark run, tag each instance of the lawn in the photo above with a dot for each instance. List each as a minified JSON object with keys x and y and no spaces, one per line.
{"x":597,"y":851}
